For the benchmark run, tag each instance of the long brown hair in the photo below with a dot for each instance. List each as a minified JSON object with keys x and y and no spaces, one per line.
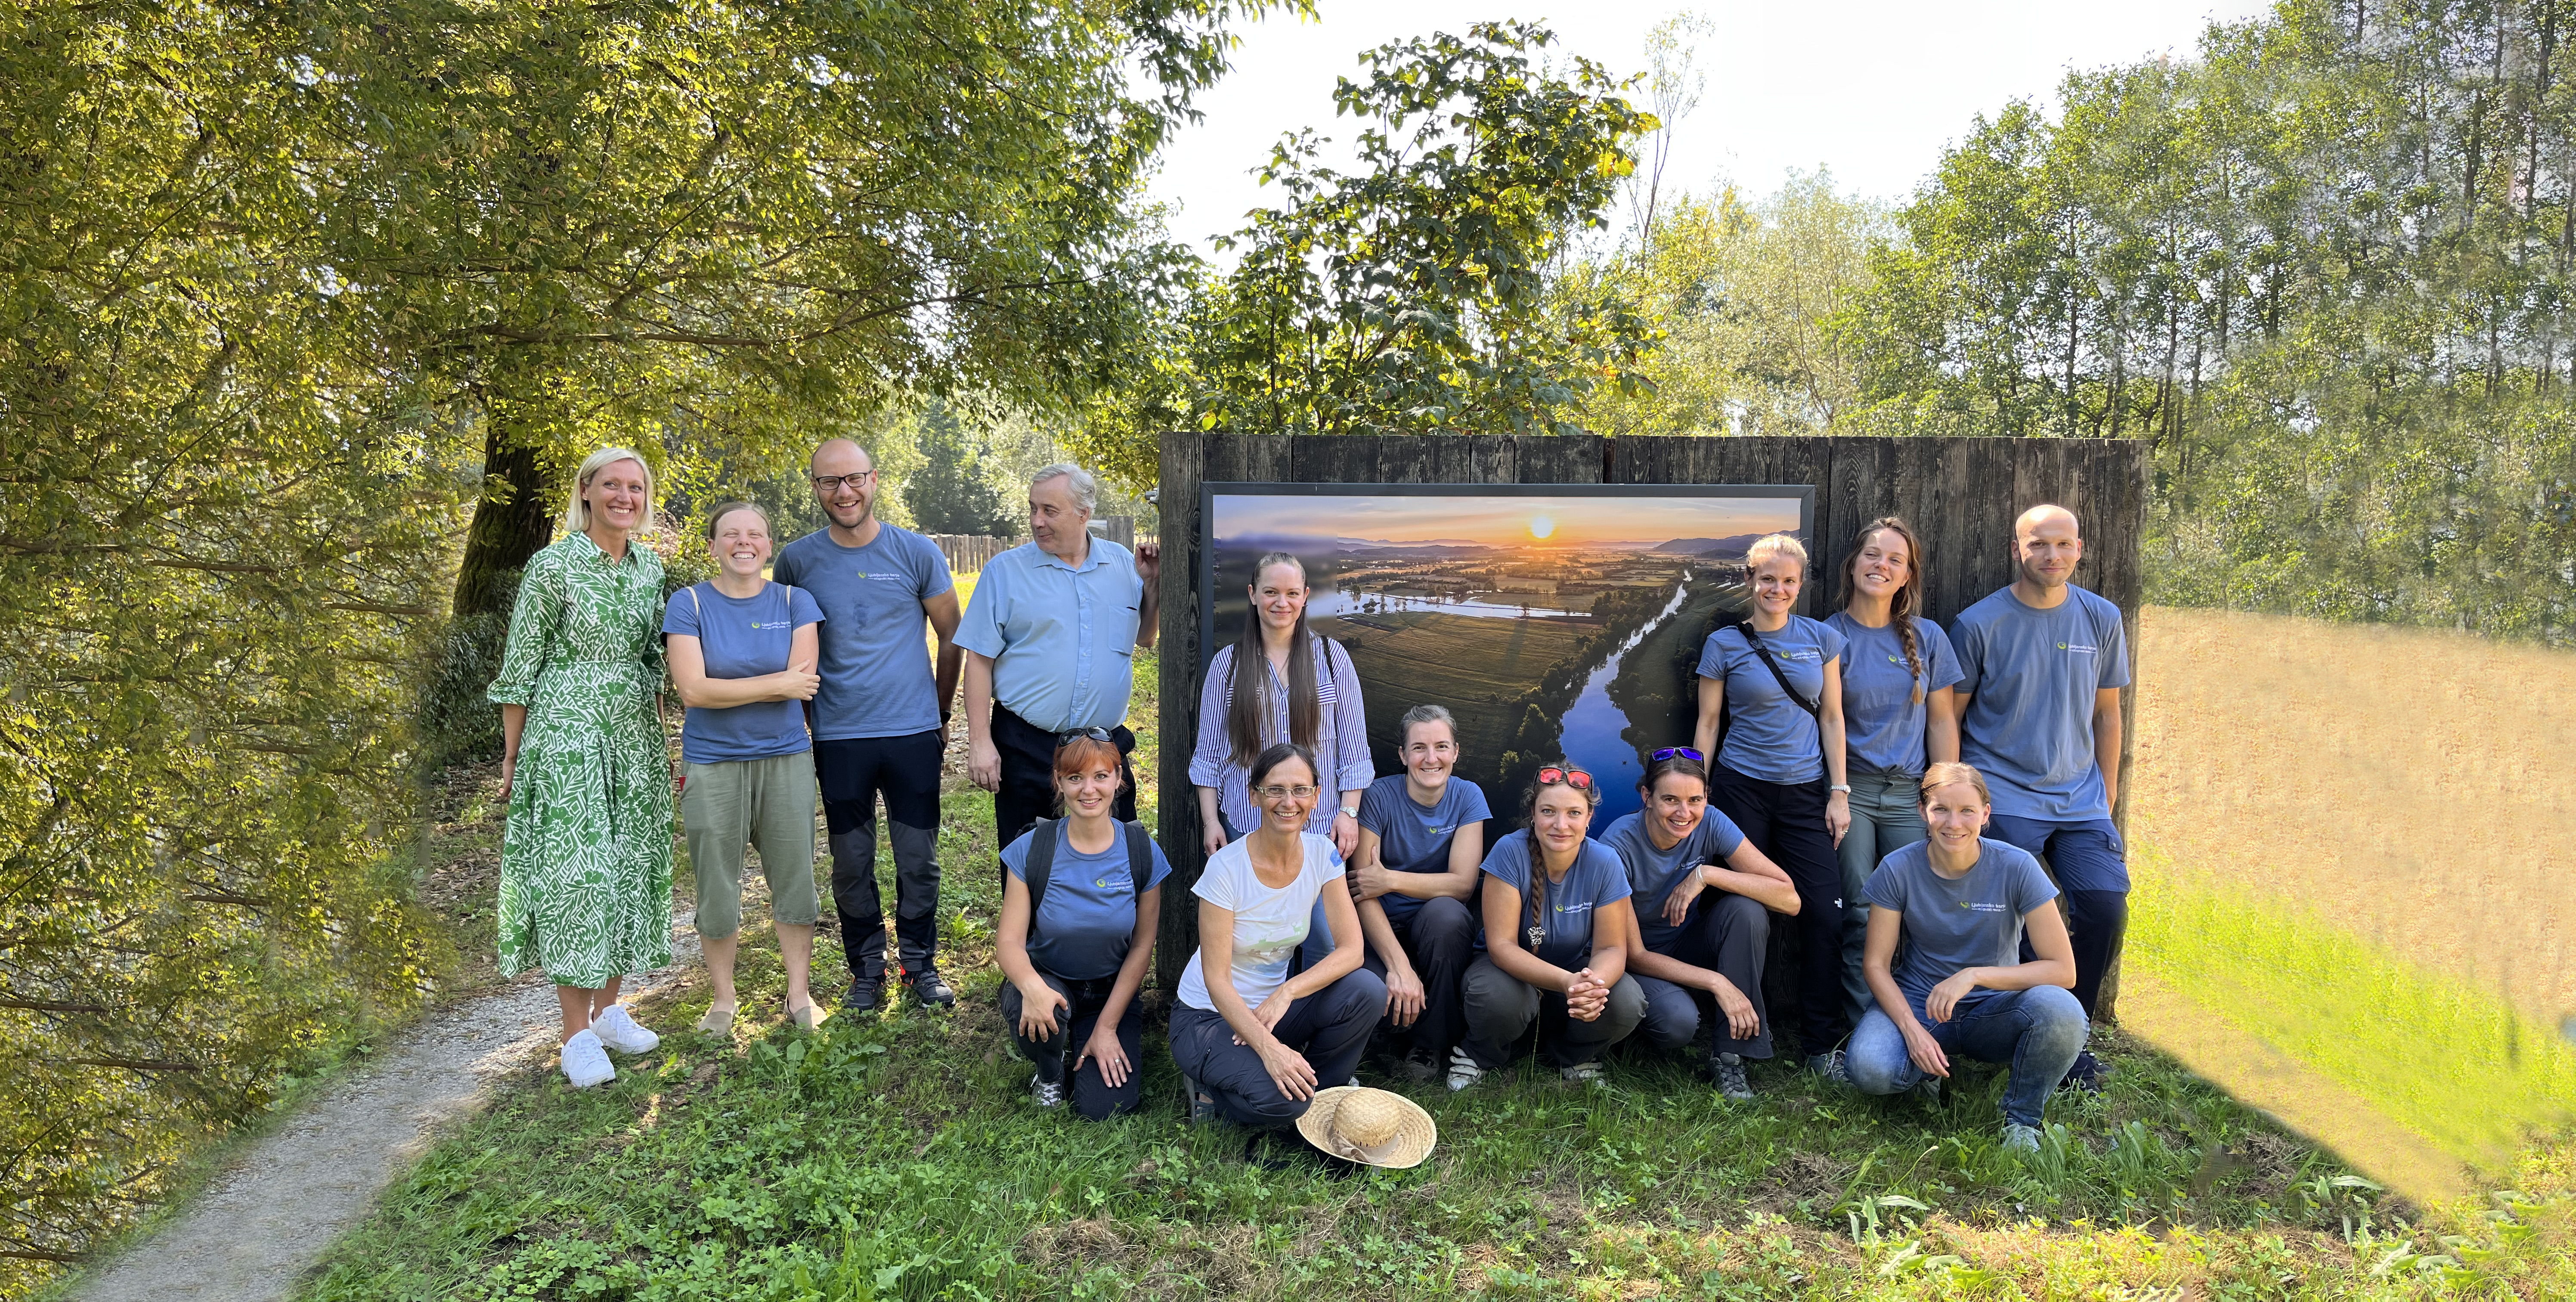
{"x":1909,"y":594}
{"x":1248,"y":711}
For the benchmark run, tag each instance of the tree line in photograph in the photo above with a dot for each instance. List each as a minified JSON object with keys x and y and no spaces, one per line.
{"x":308,"y":310}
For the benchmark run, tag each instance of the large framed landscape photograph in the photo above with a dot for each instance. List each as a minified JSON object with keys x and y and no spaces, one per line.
{"x":1556,"y":621}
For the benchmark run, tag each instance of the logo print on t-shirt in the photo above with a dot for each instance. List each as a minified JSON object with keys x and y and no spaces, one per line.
{"x":2077,"y":649}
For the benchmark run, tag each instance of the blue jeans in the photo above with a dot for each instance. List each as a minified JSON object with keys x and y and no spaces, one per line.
{"x":1887,"y":816}
{"x":2091,"y":867}
{"x":2039,"y":1031}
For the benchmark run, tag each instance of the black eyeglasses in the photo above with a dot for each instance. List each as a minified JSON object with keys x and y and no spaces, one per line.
{"x":1685,"y":752}
{"x":1064,"y":739}
{"x":832,"y":483}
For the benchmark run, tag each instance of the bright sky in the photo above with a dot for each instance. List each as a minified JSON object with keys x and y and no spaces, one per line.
{"x":1871,"y":89}
{"x":1507,"y":519}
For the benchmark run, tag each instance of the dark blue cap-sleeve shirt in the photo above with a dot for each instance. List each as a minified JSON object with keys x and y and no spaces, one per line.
{"x":1653,"y":873}
{"x":1087,"y":922}
{"x":1596,"y":880}
{"x":1413,"y":838}
{"x":1769,"y":736}
{"x":742,"y":638}
{"x":1974,"y":920}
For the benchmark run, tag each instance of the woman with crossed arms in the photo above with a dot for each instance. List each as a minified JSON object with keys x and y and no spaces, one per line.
{"x":1707,"y":898}
{"x":1073,"y":962}
{"x":1254,"y":1043}
{"x":1961,"y":903}
{"x":1557,"y":924}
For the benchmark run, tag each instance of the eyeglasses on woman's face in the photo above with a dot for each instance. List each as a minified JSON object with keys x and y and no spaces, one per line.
{"x":1276,"y":792}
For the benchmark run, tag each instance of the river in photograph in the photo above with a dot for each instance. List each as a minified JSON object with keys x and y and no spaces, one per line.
{"x":1592,"y":728}
{"x":1339,"y":601}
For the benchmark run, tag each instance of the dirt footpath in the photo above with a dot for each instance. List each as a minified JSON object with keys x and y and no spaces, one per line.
{"x":2417,"y":787}
{"x":261,"y":1224}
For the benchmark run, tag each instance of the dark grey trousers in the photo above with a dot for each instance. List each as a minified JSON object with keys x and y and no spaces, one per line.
{"x":1501,"y":1007}
{"x":1728,"y":934}
{"x":905,"y":771}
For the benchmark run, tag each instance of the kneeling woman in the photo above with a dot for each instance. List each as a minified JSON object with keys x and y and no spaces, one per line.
{"x":1704,"y":897}
{"x":1557,"y":923}
{"x":1960,"y":903}
{"x":1254,"y":1043}
{"x":1078,"y":916}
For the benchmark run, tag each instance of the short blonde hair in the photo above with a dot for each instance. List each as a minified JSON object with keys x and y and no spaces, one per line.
{"x":1937,"y":776}
{"x":576,"y":515}
{"x":1775,"y":544}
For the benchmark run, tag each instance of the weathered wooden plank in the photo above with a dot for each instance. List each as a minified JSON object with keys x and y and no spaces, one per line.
{"x":1183,"y":457}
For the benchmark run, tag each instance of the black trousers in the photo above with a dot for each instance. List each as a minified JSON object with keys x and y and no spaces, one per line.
{"x":1028,"y":775}
{"x":1440,"y":939}
{"x":1787,"y":822}
{"x":1093,"y":1096}
{"x":853,"y":773}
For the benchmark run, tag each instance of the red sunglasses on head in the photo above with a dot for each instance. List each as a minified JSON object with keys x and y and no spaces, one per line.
{"x":1572,"y":777}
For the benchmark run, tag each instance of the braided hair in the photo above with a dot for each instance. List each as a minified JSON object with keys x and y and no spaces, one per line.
{"x":1909,"y":594}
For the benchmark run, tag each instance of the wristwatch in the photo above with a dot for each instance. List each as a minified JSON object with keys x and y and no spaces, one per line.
{"x":1350,"y":811}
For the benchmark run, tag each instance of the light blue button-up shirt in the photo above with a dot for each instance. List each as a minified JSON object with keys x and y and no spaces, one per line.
{"x":1062,"y":641}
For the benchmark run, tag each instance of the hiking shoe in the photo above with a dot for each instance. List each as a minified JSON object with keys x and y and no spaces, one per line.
{"x":1202,"y":1109}
{"x":1463,"y":1070}
{"x":2020,"y":1139}
{"x":1729,"y":1070}
{"x":1421,"y":1066}
{"x":863,"y":995}
{"x":1581,"y":1073}
{"x":1046,"y":1093}
{"x":2085,"y":1075}
{"x":618,"y":1031}
{"x":585,"y":1061}
{"x":1829,"y":1065}
{"x":931,"y":992}
{"x":1928,"y":1090}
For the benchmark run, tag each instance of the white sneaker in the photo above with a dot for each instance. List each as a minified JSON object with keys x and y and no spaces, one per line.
{"x":585,"y":1061}
{"x":618,"y":1031}
{"x":1463,"y":1070}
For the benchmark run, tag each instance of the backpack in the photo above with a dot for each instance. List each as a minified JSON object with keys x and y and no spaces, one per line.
{"x":1042,"y":842}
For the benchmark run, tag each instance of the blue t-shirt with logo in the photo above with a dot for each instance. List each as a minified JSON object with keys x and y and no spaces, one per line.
{"x":1653,"y":873}
{"x":1973,"y":921}
{"x":2030,"y":676}
{"x":1412,"y":838}
{"x":1883,"y":725}
{"x":876,"y":654}
{"x":1087,"y":922}
{"x":743,"y":637}
{"x":1596,"y":881}
{"x":1769,"y":736}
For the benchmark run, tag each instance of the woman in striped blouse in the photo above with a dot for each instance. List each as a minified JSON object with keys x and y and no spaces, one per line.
{"x":1280,"y":682}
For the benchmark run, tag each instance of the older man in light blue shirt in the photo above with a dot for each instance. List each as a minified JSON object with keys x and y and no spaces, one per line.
{"x":1050,"y":638}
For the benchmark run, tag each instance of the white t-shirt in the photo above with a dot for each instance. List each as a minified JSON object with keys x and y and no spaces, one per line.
{"x":1269,"y":924}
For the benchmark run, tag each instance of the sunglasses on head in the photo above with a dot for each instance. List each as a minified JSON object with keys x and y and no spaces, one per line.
{"x":1064,"y":739}
{"x":1683,"y":752}
{"x":1569,"y":775}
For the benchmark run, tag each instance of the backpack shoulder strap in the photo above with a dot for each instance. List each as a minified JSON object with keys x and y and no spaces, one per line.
{"x":696,"y":607}
{"x":1042,"y":839}
{"x":1140,"y":858}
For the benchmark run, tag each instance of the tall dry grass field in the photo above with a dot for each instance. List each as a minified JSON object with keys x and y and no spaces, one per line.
{"x":2416,"y":787}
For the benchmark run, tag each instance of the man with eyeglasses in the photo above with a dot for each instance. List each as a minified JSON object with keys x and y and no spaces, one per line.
{"x":880,"y":720}
{"x":1050,"y":641}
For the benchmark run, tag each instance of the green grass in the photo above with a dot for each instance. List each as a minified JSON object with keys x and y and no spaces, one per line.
{"x":2447,"y":1060}
{"x":896,"y":1156}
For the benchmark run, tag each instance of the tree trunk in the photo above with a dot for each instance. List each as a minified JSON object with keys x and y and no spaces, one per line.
{"x":514,"y":518}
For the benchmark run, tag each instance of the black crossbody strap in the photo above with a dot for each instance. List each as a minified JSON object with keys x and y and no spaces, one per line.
{"x":1041,"y":864}
{"x":1813,"y":710}
{"x":1140,"y":858}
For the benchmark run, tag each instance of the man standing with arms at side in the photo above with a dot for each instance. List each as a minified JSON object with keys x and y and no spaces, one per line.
{"x":2039,"y":715}
{"x":1050,"y":640}
{"x":880,"y":723}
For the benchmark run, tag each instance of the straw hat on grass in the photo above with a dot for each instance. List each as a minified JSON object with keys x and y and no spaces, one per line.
{"x":1368,"y":1126}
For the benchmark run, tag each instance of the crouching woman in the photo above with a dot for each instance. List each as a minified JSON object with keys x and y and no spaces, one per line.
{"x":1253,"y":1042}
{"x":1557,"y":922}
{"x":1079,"y":908}
{"x":1956,"y":987}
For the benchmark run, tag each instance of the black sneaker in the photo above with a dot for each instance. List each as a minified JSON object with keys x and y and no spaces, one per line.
{"x":1202,"y":1109}
{"x":1421,"y":1066}
{"x":928,"y":990}
{"x":2085,"y":1075}
{"x":863,"y":995}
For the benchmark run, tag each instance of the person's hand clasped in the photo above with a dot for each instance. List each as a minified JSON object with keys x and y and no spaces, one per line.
{"x":1038,"y":1011}
{"x":1270,"y":1011}
{"x":1404,"y":996}
{"x":1945,"y":997}
{"x":1103,"y":1048}
{"x":984,"y":765}
{"x":1587,"y":997}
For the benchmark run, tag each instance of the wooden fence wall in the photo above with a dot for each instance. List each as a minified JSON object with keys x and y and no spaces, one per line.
{"x":968,"y":552}
{"x":1960,"y":495}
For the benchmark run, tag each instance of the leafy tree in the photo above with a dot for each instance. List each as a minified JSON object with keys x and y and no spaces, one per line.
{"x":953,"y":491}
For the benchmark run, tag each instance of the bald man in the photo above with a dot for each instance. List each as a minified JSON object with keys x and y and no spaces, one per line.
{"x":880,"y":720}
{"x":2039,"y":716}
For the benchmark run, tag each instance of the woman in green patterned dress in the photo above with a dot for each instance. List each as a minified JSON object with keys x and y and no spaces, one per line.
{"x":586,"y":855}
